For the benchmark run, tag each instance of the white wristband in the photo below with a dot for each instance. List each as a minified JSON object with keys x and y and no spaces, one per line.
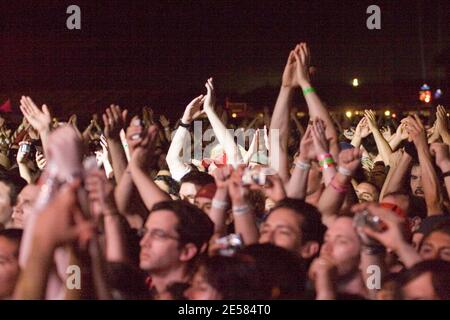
{"x":303,"y":165}
{"x":241,"y":210}
{"x":219,"y":204}
{"x":344,"y":171}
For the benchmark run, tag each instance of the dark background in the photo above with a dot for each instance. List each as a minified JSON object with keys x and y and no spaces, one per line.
{"x":159,"y":53}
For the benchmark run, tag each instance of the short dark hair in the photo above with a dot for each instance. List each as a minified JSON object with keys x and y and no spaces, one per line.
{"x":15,"y":184}
{"x":198,"y":178}
{"x":311,"y":225}
{"x":13,"y":235}
{"x":236,"y":277}
{"x":287,"y":277}
{"x":194,"y":226}
{"x":440,"y":276}
{"x":443,"y":227}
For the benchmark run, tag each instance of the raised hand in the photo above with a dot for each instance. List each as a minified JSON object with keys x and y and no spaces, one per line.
{"x":371,"y":119}
{"x":62,"y":222}
{"x":302,"y":68}
{"x":350,"y":159}
{"x":236,"y":189}
{"x":193,"y":110}
{"x":307,"y":150}
{"x":320,"y":141}
{"x":114,"y":120}
{"x":393,"y":236}
{"x":442,"y":155}
{"x":133,"y":133}
{"x":222,"y":175}
{"x":39,"y":119}
{"x":401,"y":132}
{"x":416,"y":131}
{"x":274,"y":188}
{"x":100,"y":193}
{"x":65,"y":152}
{"x":441,"y":120}
{"x":362,"y":129}
{"x":40,"y":160}
{"x":143,"y":154}
{"x":210,"y":98}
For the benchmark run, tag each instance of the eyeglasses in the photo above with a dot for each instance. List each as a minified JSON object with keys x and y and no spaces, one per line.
{"x":156,"y":234}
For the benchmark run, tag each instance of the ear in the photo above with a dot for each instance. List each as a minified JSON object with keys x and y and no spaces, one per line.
{"x":309,"y":249}
{"x":188,"y":252}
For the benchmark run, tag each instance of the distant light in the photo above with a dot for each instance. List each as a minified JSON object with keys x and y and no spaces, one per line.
{"x":348,"y":114}
{"x":425,"y":87}
{"x":299,"y":114}
{"x":438,"y":94}
{"x":234,"y":115}
{"x":427,"y":98}
{"x":261,"y":115}
{"x":355,"y":82}
{"x":387,"y":113}
{"x":357,"y":113}
{"x":394,"y":115}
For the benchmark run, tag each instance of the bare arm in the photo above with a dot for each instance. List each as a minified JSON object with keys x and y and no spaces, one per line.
{"x":244,"y":218}
{"x":139,"y":166}
{"x":441,"y":152}
{"x":334,"y":194}
{"x":384,"y":149}
{"x":114,"y":120}
{"x":315,"y":106}
{"x":222,"y":134}
{"x":430,"y":180}
{"x":395,"y":181}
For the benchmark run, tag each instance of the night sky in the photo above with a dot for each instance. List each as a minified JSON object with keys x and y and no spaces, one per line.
{"x":173,"y":46}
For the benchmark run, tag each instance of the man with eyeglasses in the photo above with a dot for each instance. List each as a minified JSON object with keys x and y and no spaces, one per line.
{"x":176,"y":233}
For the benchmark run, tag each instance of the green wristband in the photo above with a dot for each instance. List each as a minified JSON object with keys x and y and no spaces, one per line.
{"x":308,"y":90}
{"x":326,"y":161}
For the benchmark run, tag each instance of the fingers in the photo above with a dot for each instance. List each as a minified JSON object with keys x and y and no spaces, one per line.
{"x":105,"y":122}
{"x":418,"y":122}
{"x":46,"y":110}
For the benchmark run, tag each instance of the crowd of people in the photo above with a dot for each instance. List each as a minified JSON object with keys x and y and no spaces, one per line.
{"x":313,"y":209}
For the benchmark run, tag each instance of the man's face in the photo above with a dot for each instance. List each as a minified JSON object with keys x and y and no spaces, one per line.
{"x":9,"y":267}
{"x":342,"y":243}
{"x":203,"y":203}
{"x":416,"y":182}
{"x":436,"y":246}
{"x":24,"y":205}
{"x":282,"y":228}
{"x":420,"y":288}
{"x":366,"y":192}
{"x":188,"y":191}
{"x":159,"y":246}
{"x":201,"y":289}
{"x":5,"y":203}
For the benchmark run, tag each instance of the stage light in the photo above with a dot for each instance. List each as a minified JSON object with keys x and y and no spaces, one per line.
{"x":387,"y":113}
{"x":234,"y":115}
{"x":355,"y":82}
{"x":348,"y":114}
